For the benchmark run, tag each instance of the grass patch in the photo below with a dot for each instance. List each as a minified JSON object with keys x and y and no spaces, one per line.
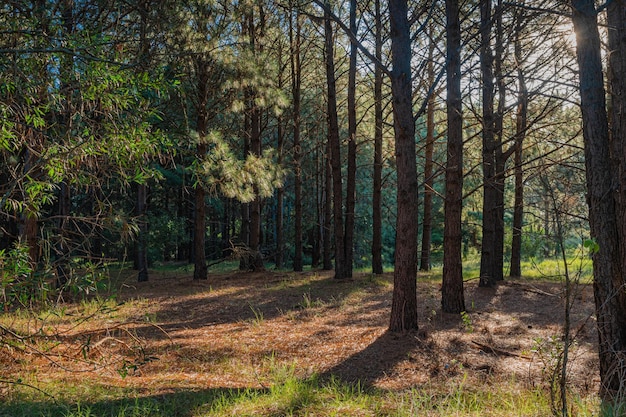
{"x":545,"y":269}
{"x":291,"y":396}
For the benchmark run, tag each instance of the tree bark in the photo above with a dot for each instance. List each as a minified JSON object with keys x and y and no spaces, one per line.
{"x":296,"y":79}
{"x":603,"y":220}
{"x":488,"y":276}
{"x":280,"y":193}
{"x":328,"y":212}
{"x":351,"y":169}
{"x":521,"y":121}
{"x":335,"y":149}
{"x":404,"y":301}
{"x":500,"y":156}
{"x":256,"y":259}
{"x":428,"y":161}
{"x":452,"y":297}
{"x":199,"y":228}
{"x":377,"y":219}
{"x":141,"y":255}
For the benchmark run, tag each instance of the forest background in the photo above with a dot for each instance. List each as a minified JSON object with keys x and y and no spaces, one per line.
{"x":296,"y":134}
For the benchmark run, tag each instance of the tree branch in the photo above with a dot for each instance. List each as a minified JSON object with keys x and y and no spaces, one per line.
{"x":353,"y":38}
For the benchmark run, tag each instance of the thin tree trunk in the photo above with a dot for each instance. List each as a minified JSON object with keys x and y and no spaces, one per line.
{"x":351,"y":171}
{"x":404,"y":300}
{"x":377,"y":218}
{"x":244,"y":233}
{"x":452,"y":297}
{"x":141,"y":255}
{"x":335,"y":150}
{"x":319,"y":215}
{"x":520,"y":134}
{"x":295,"y":41}
{"x":256,"y":260}
{"x":62,"y":246}
{"x":280,"y":198}
{"x":428,"y":162}
{"x":328,"y":213}
{"x":199,"y":229}
{"x":500,"y":156}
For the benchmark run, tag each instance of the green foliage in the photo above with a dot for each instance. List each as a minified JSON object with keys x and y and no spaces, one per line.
{"x":18,"y":283}
{"x":467,"y":322}
{"x":591,"y":245}
{"x":166,"y":234}
{"x":220,"y":171}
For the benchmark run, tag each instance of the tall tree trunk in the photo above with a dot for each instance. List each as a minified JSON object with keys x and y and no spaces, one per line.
{"x":199,"y":228}
{"x":603,"y":220}
{"x":351,"y":171}
{"x":335,"y":149}
{"x":62,"y":246}
{"x":141,"y":253}
{"x":29,"y":226}
{"x":256,"y":260}
{"x":254,"y":31}
{"x":141,"y":247}
{"x":295,"y":41}
{"x":488,"y":275}
{"x":520,"y":134}
{"x":452,"y":297}
{"x":404,"y":301}
{"x":319,"y":215}
{"x":377,"y":218}
{"x":280,"y":198}
{"x":615,"y":333}
{"x":500,"y":156}
{"x":328,"y":212}
{"x":428,"y":161}
{"x":244,"y":232}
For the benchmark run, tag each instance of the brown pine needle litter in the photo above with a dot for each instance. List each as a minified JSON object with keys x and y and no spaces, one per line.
{"x":239,"y":330}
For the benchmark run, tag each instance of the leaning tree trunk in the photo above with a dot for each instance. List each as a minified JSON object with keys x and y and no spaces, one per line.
{"x":452,"y":297}
{"x":607,"y":262}
{"x":404,"y":301}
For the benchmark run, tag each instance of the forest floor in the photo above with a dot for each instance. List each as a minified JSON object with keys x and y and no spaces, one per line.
{"x":237,"y":330}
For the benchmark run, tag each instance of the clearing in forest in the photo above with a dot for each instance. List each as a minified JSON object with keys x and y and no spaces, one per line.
{"x":173,"y":334}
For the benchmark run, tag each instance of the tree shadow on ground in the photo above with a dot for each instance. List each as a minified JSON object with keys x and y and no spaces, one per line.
{"x":178,"y":403}
{"x":379,"y":359}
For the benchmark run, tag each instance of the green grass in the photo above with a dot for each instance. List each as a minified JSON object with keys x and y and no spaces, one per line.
{"x":290,"y":396}
{"x":546,"y":269}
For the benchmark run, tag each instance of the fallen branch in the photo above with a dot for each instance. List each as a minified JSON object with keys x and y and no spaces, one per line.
{"x":24,"y":384}
{"x":499,"y":352}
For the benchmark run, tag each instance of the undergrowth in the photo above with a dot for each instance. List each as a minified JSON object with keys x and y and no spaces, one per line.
{"x":291,"y":396}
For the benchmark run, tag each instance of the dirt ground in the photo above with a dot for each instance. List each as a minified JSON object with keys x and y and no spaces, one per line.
{"x":241,"y":329}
